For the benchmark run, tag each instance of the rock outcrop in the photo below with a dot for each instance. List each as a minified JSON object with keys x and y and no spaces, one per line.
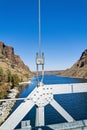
{"x":79,"y":69}
{"x":12,"y":71}
{"x":9,"y":60}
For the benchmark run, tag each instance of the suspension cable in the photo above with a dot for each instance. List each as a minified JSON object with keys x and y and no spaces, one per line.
{"x":39,"y":55}
{"x":39,"y":29}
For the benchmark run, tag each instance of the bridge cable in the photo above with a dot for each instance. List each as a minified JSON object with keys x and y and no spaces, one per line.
{"x":39,"y":56}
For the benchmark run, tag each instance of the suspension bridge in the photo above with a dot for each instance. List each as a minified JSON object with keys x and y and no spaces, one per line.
{"x":41,"y":96}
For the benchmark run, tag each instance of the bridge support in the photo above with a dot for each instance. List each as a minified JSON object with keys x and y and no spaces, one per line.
{"x":39,"y":116}
{"x":61,"y":110}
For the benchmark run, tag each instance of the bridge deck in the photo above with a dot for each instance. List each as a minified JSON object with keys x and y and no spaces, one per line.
{"x":77,"y":125}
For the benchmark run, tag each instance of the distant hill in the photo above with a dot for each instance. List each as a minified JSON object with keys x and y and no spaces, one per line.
{"x":12,"y":62}
{"x":55,"y":72}
{"x":79,"y":69}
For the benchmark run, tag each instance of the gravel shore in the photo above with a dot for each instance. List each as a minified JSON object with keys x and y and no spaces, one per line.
{"x":6,"y":107}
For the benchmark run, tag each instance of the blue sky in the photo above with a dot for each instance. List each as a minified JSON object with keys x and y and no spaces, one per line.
{"x":63,"y":30}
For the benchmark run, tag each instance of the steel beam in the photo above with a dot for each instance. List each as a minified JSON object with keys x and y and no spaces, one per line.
{"x":61,"y":110}
{"x":39,"y":116}
{"x":17,"y":116}
{"x":68,"y":88}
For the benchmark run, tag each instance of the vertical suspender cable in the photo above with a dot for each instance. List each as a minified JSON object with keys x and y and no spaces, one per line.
{"x":39,"y":29}
{"x":42,"y":69}
{"x":39,"y":38}
{"x":39,"y":56}
{"x":39,"y":46}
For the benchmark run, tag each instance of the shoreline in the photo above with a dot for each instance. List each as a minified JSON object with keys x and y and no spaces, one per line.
{"x":75,"y":77}
{"x":6,"y":107}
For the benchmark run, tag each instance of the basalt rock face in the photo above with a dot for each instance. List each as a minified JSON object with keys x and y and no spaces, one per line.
{"x":9,"y":60}
{"x":79,"y":69}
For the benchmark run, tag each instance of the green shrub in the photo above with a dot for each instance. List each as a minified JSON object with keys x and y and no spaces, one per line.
{"x":15,"y":80}
{"x":8,"y":75}
{"x":1,"y":74}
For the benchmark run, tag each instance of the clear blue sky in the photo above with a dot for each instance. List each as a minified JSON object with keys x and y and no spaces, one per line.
{"x":63,"y":30}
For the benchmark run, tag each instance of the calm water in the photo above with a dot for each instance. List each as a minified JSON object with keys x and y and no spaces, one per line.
{"x":74,"y":104}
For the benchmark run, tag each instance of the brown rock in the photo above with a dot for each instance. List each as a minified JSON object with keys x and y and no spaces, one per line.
{"x":79,"y":69}
{"x":8,"y":60}
{"x":9,"y":52}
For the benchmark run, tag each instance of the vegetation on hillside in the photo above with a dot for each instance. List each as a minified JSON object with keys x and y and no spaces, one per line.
{"x":7,"y":81}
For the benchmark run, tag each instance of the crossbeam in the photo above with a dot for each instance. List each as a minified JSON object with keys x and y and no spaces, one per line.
{"x":68,"y":88}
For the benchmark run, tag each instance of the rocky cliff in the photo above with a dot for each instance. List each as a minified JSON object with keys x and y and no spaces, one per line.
{"x":79,"y":69}
{"x":12,"y":71}
{"x":9,"y":60}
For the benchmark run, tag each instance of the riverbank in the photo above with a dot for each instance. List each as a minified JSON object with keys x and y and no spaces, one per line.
{"x":6,"y":107}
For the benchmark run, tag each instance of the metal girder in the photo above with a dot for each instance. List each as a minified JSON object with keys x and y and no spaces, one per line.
{"x":39,"y":116}
{"x":42,"y":96}
{"x":15,"y":118}
{"x":68,"y":88}
{"x":61,"y":110}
